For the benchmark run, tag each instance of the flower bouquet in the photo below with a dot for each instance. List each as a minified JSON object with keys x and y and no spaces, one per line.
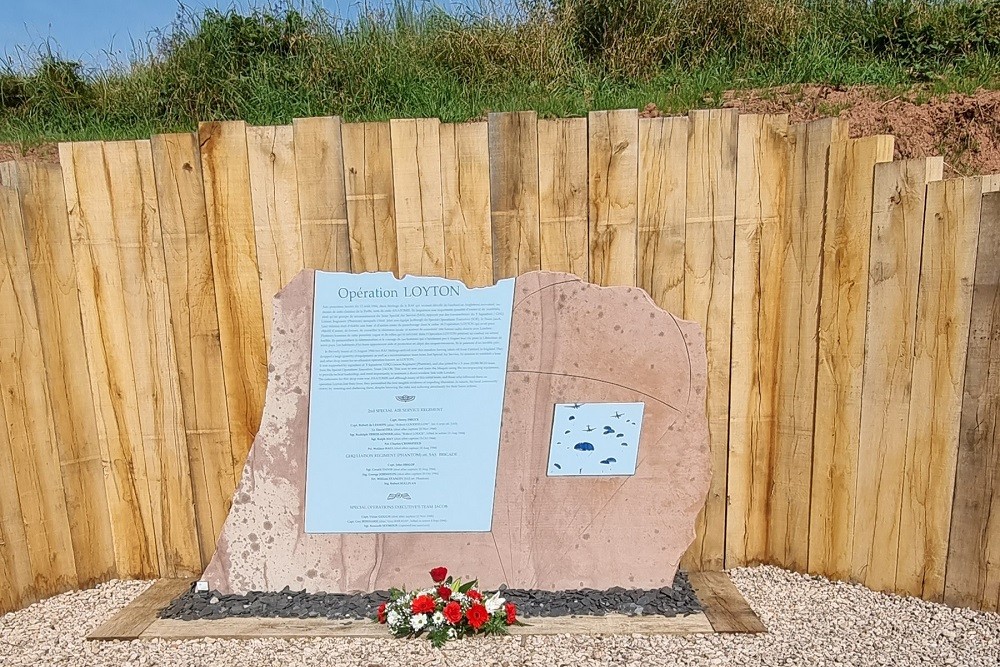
{"x":448,"y":610}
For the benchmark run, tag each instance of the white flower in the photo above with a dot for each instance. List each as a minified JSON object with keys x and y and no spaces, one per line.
{"x":494,"y":603}
{"x":452,"y":633}
{"x":418,"y":621}
{"x":393,"y":618}
{"x":438,"y":618}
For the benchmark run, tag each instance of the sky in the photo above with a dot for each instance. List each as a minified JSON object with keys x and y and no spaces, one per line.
{"x":87,"y":30}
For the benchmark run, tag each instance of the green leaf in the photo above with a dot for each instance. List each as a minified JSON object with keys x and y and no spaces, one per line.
{"x":497,"y":625}
{"x":438,"y":637}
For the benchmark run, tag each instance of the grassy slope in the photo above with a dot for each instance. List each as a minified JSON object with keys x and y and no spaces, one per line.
{"x":560,"y":58}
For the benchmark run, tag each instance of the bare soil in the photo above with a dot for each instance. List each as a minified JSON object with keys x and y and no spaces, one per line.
{"x":965,"y":129}
{"x":42,"y":152}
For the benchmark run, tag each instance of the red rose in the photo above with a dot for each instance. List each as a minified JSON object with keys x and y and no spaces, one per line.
{"x":444,"y":592}
{"x":477,"y":616}
{"x":511,"y":610}
{"x":475,"y":595}
{"x":381,"y":613}
{"x":438,"y":574}
{"x":511,"y":613}
{"x":422,"y":604}
{"x":452,"y":613}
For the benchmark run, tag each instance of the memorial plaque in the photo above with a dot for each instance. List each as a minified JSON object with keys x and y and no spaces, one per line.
{"x":384,"y":391}
{"x":406,"y":395}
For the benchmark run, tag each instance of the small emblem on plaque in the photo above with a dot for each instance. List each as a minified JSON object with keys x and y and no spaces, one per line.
{"x":405,"y":398}
{"x":398,"y":496}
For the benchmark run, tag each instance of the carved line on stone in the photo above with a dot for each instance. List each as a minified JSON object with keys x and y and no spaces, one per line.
{"x":379,"y":545}
{"x":542,"y":289}
{"x":570,"y":543}
{"x":625,"y":481}
{"x":599,"y":512}
{"x":510,"y":542}
{"x":687,"y":352}
{"x":584,"y":377}
{"x":343,"y":563}
{"x":607,"y":502}
{"x":499,"y":557}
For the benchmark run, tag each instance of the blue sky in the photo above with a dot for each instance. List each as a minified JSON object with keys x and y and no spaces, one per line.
{"x":87,"y":29}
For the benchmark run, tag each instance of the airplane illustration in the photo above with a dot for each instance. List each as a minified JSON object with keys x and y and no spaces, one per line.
{"x":618,"y":415}
{"x":589,"y":428}
{"x":576,"y":405}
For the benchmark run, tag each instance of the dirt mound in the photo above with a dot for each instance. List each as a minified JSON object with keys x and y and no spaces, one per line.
{"x":965,"y":129}
{"x":41,"y":153}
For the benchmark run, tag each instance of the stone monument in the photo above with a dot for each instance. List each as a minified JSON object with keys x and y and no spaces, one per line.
{"x":544,"y":432}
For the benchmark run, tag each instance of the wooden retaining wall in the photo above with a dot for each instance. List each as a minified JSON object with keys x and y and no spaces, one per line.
{"x":851,"y":306}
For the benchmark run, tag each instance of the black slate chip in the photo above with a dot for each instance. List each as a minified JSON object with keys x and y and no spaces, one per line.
{"x":677,"y":601}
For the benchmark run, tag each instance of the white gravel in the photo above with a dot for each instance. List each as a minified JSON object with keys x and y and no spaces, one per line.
{"x":812,"y":622}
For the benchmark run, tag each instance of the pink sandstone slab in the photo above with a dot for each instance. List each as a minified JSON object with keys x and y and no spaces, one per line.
{"x":570,"y":341}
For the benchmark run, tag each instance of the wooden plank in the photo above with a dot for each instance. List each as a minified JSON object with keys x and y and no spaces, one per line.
{"x":725,"y":607}
{"x":465,"y":195}
{"x":132,"y":621}
{"x":897,"y":227}
{"x":708,"y":298}
{"x":973,"y":567}
{"x":941,"y":337}
{"x":416,"y":178}
{"x":514,"y":193}
{"x":8,"y":173}
{"x":112,"y":381}
{"x":799,"y":287}
{"x":613,"y":142}
{"x":288,"y":628}
{"x":725,"y":610}
{"x":663,"y":145}
{"x":17,"y":583}
{"x":275,"y":195}
{"x":50,"y":259}
{"x":840,"y":365}
{"x":195,"y":322}
{"x":563,"y":202}
{"x":226,"y":175}
{"x":757,"y":354}
{"x":319,"y":169}
{"x":991,"y":183}
{"x":128,"y":169}
{"x":371,"y":205}
{"x":30,"y":438}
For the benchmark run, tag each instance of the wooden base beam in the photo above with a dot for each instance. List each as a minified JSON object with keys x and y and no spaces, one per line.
{"x":725,"y":610}
{"x":723,"y":603}
{"x":133,"y":620}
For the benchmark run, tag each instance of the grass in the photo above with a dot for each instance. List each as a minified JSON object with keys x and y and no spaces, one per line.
{"x":559,"y":57}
